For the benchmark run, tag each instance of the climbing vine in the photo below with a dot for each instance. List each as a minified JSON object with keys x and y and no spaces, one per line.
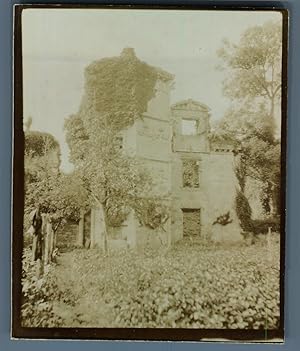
{"x":152,"y":213}
{"x":118,"y":90}
{"x":243,"y":211}
{"x":223,"y":219}
{"x":242,"y":206}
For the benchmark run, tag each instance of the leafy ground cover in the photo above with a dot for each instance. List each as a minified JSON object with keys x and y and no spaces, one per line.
{"x":190,"y":286}
{"x":39,"y":291}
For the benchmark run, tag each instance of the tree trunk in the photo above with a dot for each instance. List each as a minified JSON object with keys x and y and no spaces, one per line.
{"x":51,"y":242}
{"x":80,"y":237}
{"x":269,"y":248}
{"x":92,"y":229}
{"x":272,"y":107}
{"x":48,"y":241}
{"x":274,"y":205}
{"x":46,"y":237}
{"x":272,"y":117}
{"x":104,"y":232}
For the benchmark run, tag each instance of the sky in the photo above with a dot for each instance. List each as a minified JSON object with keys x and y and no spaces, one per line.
{"x":59,"y":43}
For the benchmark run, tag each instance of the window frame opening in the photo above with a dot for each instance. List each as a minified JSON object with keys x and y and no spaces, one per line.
{"x":190,"y":180}
{"x":191,"y":130}
{"x":188,"y":220}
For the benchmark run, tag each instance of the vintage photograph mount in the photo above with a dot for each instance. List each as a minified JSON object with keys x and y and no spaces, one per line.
{"x":149,"y":173}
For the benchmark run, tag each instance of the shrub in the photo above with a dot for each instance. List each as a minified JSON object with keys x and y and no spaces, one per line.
{"x":261,"y":226}
{"x":243,"y":211}
{"x":37,"y":143}
{"x":256,"y":226}
{"x":38,"y":295}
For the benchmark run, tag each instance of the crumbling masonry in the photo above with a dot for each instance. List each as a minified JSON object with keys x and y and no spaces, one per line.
{"x":173,"y":143}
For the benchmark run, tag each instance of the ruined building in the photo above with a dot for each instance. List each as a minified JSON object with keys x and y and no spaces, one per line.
{"x":173,"y":143}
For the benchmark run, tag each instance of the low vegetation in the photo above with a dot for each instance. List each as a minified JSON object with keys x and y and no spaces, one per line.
{"x":190,"y":286}
{"x":38,"y":294}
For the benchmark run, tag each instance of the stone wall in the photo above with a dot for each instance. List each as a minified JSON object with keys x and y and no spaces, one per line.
{"x":192,"y":143}
{"x":220,"y":186}
{"x":153,"y":238}
{"x":152,"y":137}
{"x":215,"y":195}
{"x":159,"y":105}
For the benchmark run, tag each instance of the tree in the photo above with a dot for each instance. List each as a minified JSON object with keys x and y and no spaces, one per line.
{"x":255,"y":66}
{"x":117,"y":91}
{"x":57,"y":194}
{"x":250,"y":132}
{"x":253,"y":84}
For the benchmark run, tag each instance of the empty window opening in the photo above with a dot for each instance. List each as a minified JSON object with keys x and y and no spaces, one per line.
{"x":190,"y":173}
{"x":191,"y":222}
{"x":189,"y":127}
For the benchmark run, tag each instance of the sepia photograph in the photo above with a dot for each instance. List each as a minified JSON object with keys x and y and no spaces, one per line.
{"x":149,"y":173}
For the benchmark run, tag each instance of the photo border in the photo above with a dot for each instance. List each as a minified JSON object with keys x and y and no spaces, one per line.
{"x":131,"y":334}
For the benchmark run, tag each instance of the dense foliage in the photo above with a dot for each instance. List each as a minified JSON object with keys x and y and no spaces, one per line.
{"x":259,"y":152}
{"x":190,"y":286}
{"x":118,"y":89}
{"x":58,"y":194}
{"x":151,"y":212}
{"x":38,"y":294}
{"x":244,"y":212}
{"x":117,"y":92}
{"x":253,"y":83}
{"x":39,"y":143}
{"x":255,"y":65}
{"x":261,"y":226}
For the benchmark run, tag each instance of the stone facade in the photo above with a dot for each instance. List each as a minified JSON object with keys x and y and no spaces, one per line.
{"x":166,"y":138}
{"x":215,"y":194}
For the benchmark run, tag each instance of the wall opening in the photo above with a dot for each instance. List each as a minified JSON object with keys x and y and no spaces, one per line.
{"x":191,"y":222}
{"x":189,"y":127}
{"x":190,"y":173}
